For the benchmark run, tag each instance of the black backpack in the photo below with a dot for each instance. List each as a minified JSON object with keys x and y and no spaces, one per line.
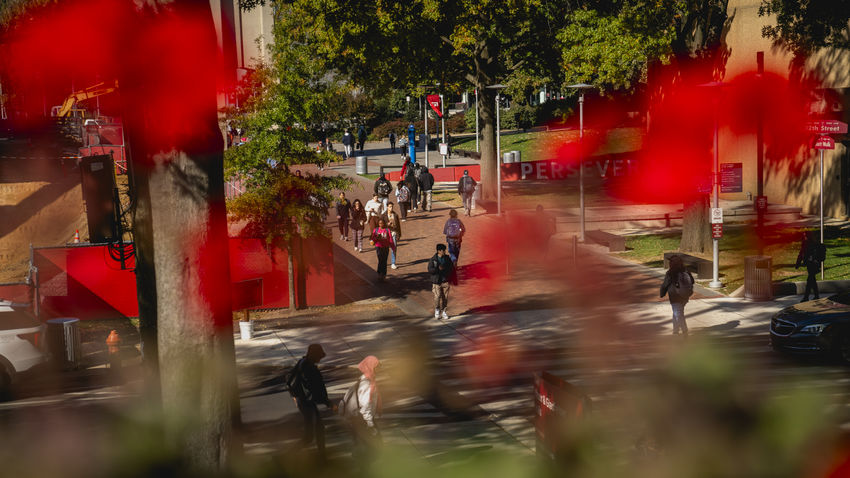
{"x":384,"y":188}
{"x":468,"y":184}
{"x":295,"y":381}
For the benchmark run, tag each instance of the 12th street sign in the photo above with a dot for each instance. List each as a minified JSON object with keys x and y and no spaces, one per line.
{"x":826,"y":127}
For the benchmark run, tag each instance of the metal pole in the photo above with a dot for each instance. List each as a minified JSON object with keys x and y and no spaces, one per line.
{"x":581,"y":166}
{"x":715,"y":252}
{"x":821,"y":210}
{"x":477,"y":150}
{"x":498,"y":160}
{"x":443,"y":121}
{"x":426,"y":135}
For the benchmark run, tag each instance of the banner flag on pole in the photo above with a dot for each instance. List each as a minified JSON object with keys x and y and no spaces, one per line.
{"x":434,"y":101}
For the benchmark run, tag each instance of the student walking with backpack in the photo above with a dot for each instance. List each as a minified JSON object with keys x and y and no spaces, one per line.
{"x":347,"y":143}
{"x":466,"y":188}
{"x":343,"y":211}
{"x":358,"y":223}
{"x":360,"y":406}
{"x":413,"y":186}
{"x":812,"y":254}
{"x":307,"y":388}
{"x":678,"y":285}
{"x":382,"y":239}
{"x":402,"y":195}
{"x":391,"y":218}
{"x":441,"y":269}
{"x":454,"y":231}
{"x":426,"y":184}
{"x":383,"y":188}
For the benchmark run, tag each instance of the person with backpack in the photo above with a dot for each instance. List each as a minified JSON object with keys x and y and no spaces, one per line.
{"x":347,"y":143}
{"x":360,"y":407}
{"x":454,"y":231}
{"x":413,"y":186}
{"x":343,"y":211}
{"x":812,"y":254}
{"x":465,"y":188}
{"x":383,"y":188}
{"x":382,"y":239}
{"x":307,"y":388}
{"x":426,"y":185}
{"x":392,"y":141}
{"x":358,"y":223}
{"x":402,"y":195}
{"x":361,"y":137}
{"x":678,"y":285}
{"x":442,"y":271}
{"x":393,"y":223}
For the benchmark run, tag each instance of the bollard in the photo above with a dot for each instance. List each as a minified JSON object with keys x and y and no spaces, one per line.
{"x":113,"y":343}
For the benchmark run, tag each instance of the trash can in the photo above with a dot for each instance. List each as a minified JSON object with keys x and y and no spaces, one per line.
{"x":517,"y":156}
{"x":63,"y":342}
{"x":758,"y":280}
{"x":507,"y":157}
{"x":361,"y":166}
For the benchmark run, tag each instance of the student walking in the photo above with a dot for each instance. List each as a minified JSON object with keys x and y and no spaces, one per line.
{"x":454,"y":231}
{"x":678,"y":285}
{"x":358,"y":223}
{"x":361,"y":406}
{"x":413,"y":186}
{"x":343,"y":212}
{"x":382,"y":239}
{"x":426,"y":184}
{"x":374,"y":211}
{"x":392,"y":141}
{"x":812,"y":254}
{"x":307,"y":388}
{"x":361,"y":137}
{"x":465,"y":188}
{"x":347,"y":143}
{"x":442,"y":273}
{"x":391,"y":219}
{"x":402,"y":195}
{"x":383,"y":188}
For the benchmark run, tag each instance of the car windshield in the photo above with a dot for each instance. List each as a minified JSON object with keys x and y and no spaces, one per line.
{"x":11,"y":319}
{"x":843,"y":298}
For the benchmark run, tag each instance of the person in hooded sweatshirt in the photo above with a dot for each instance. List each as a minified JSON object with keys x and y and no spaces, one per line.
{"x":307,"y":388}
{"x":364,"y":429}
{"x":347,"y":143}
{"x":426,"y":184}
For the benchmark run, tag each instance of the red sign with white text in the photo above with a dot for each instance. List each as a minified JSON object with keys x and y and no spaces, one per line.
{"x":434,"y":101}
{"x":826,"y":127}
{"x":716,"y":231}
{"x":824,"y":142}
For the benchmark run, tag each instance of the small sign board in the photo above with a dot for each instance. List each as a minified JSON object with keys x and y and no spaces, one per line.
{"x":716,"y":231}
{"x":761,"y":203}
{"x":824,"y":142}
{"x":826,"y":127}
{"x":731,"y":177}
{"x":717,"y":215}
{"x":444,"y":149}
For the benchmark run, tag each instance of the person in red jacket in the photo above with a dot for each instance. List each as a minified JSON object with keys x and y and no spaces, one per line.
{"x":382,"y":239}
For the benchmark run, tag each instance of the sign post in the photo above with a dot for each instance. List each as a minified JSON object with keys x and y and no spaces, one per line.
{"x":823,"y":129}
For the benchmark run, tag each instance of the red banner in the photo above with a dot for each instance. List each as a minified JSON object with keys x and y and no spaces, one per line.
{"x":434,"y":101}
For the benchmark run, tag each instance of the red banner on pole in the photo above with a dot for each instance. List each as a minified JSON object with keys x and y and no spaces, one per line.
{"x":434,"y":101}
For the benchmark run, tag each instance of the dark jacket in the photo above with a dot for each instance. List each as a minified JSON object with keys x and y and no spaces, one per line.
{"x":343,"y":209}
{"x":460,"y":183}
{"x":306,"y":383}
{"x":358,"y":219}
{"x":426,"y":180}
{"x":393,"y":224}
{"x":669,"y":280}
{"x":348,"y":139}
{"x":411,"y":182}
{"x":383,"y":191}
{"x":440,"y":268}
{"x":811,"y":254}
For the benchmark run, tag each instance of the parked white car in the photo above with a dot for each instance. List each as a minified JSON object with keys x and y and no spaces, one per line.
{"x":21,"y":343}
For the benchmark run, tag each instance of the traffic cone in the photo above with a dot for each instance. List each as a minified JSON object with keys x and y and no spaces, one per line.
{"x":76,"y":236}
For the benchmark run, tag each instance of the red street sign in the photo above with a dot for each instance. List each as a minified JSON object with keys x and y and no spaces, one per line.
{"x":761,"y":203}
{"x":826,"y":127}
{"x":716,"y":231}
{"x":824,"y":142}
{"x":434,"y":101}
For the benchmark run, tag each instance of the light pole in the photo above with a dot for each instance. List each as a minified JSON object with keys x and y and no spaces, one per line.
{"x":715,"y":186}
{"x":477,"y":150}
{"x":498,"y":88}
{"x":581,"y":87}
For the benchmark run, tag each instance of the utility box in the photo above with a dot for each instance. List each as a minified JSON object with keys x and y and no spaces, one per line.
{"x":63,"y":342}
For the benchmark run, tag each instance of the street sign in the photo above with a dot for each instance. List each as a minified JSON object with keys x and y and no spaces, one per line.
{"x":761,"y":203}
{"x":716,"y":231}
{"x":434,"y":101}
{"x":717,"y":215}
{"x":731,"y":177}
{"x":826,"y":127}
{"x":824,"y":142}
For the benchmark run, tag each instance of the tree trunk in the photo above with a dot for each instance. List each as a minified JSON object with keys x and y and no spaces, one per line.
{"x":696,"y":231}
{"x":487,"y":129}
{"x":290,"y":270}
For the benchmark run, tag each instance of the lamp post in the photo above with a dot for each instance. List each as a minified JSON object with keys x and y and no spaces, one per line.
{"x":498,"y":88}
{"x":477,"y":150}
{"x":581,"y":87}
{"x":715,"y":186}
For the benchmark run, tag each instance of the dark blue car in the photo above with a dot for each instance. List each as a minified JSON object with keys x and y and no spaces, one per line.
{"x":815,"y":327}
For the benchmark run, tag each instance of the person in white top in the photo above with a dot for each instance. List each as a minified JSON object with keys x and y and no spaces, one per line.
{"x":374,"y":210}
{"x":366,"y":435}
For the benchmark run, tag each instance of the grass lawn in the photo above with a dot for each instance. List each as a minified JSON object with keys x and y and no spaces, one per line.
{"x":533,"y":146}
{"x":739,"y":242}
